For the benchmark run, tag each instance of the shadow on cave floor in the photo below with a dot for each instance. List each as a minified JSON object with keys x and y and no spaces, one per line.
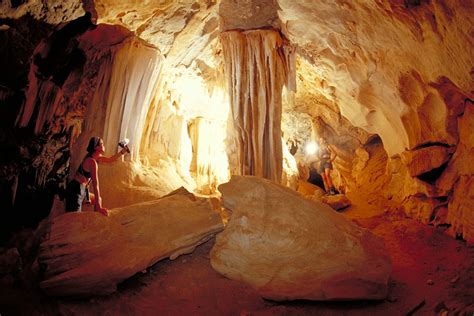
{"x":432,"y":273}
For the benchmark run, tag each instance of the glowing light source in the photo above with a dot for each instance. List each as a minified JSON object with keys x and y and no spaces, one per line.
{"x":311,"y":148}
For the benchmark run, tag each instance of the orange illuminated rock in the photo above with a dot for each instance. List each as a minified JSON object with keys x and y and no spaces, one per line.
{"x":289,"y":248}
{"x":425,"y":159}
{"x":308,"y":189}
{"x":87,"y":253}
{"x":337,"y":202}
{"x":458,"y":177}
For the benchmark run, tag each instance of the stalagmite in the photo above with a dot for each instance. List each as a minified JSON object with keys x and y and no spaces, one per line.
{"x":257,"y":67}
{"x":87,"y":253}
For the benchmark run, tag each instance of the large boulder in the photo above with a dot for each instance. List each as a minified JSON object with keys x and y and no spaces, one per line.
{"x":87,"y":253}
{"x":288,"y":247}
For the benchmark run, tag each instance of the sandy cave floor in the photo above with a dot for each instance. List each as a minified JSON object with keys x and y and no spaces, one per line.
{"x":432,"y":274}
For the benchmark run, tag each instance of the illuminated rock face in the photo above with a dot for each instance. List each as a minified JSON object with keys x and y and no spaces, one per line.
{"x":459,"y":178}
{"x":291,"y":248}
{"x":424,"y":160}
{"x":383,"y":60}
{"x":88,"y":254}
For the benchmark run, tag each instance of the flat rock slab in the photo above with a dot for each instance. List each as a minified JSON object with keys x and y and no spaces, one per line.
{"x":425,"y":159}
{"x":288,"y":247}
{"x":89,"y":254}
{"x":337,"y":201}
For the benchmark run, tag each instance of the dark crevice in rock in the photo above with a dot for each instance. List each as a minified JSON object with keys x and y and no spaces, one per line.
{"x":413,"y":3}
{"x":431,"y":144}
{"x":459,"y":236}
{"x":373,"y":140}
{"x":315,"y":178}
{"x":16,"y":47}
{"x":467,"y":100}
{"x":432,"y":175}
{"x":442,"y":199}
{"x":64,"y":55}
{"x":17,"y":3}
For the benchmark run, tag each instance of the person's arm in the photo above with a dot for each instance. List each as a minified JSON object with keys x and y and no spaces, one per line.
{"x":95,"y":184}
{"x":114,"y":158}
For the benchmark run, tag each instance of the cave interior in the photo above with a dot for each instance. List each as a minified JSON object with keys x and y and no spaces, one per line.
{"x":216,"y":208}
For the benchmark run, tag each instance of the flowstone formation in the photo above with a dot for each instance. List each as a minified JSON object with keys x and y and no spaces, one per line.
{"x":87,"y":254}
{"x":290,"y":248}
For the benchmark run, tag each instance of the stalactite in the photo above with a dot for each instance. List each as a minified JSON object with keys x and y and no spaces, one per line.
{"x":107,"y":94}
{"x":43,"y":95}
{"x":151,"y":120}
{"x":257,"y":66}
{"x":134,"y":77}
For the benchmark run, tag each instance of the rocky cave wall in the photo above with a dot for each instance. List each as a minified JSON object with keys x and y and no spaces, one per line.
{"x":401,"y":71}
{"x":389,"y":83}
{"x":388,"y":72}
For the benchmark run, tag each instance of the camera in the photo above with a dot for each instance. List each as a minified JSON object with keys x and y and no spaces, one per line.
{"x":124,"y":144}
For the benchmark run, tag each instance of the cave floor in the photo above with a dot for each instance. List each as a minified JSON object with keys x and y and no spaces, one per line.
{"x":432,"y":274}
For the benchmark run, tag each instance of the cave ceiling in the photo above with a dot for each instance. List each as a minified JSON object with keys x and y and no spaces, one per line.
{"x":375,"y":61}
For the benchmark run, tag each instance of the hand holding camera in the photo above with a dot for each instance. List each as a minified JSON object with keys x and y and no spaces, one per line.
{"x":124,"y":145}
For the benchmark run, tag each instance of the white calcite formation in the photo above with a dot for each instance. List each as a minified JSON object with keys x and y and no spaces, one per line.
{"x":87,"y":253}
{"x":125,"y":83}
{"x":289,"y":248}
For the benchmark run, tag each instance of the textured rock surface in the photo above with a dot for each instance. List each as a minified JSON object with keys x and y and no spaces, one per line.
{"x":248,"y":15}
{"x":368,"y":54}
{"x":337,"y":202}
{"x":459,"y":178}
{"x":87,"y":253}
{"x":425,"y":159}
{"x":52,"y":12}
{"x":291,"y":248}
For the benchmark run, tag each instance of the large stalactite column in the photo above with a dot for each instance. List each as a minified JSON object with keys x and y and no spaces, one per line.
{"x":257,"y":65}
{"x":135,"y":74}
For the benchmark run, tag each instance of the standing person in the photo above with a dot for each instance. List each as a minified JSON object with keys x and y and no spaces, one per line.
{"x":326,"y":157}
{"x":86,"y":173}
